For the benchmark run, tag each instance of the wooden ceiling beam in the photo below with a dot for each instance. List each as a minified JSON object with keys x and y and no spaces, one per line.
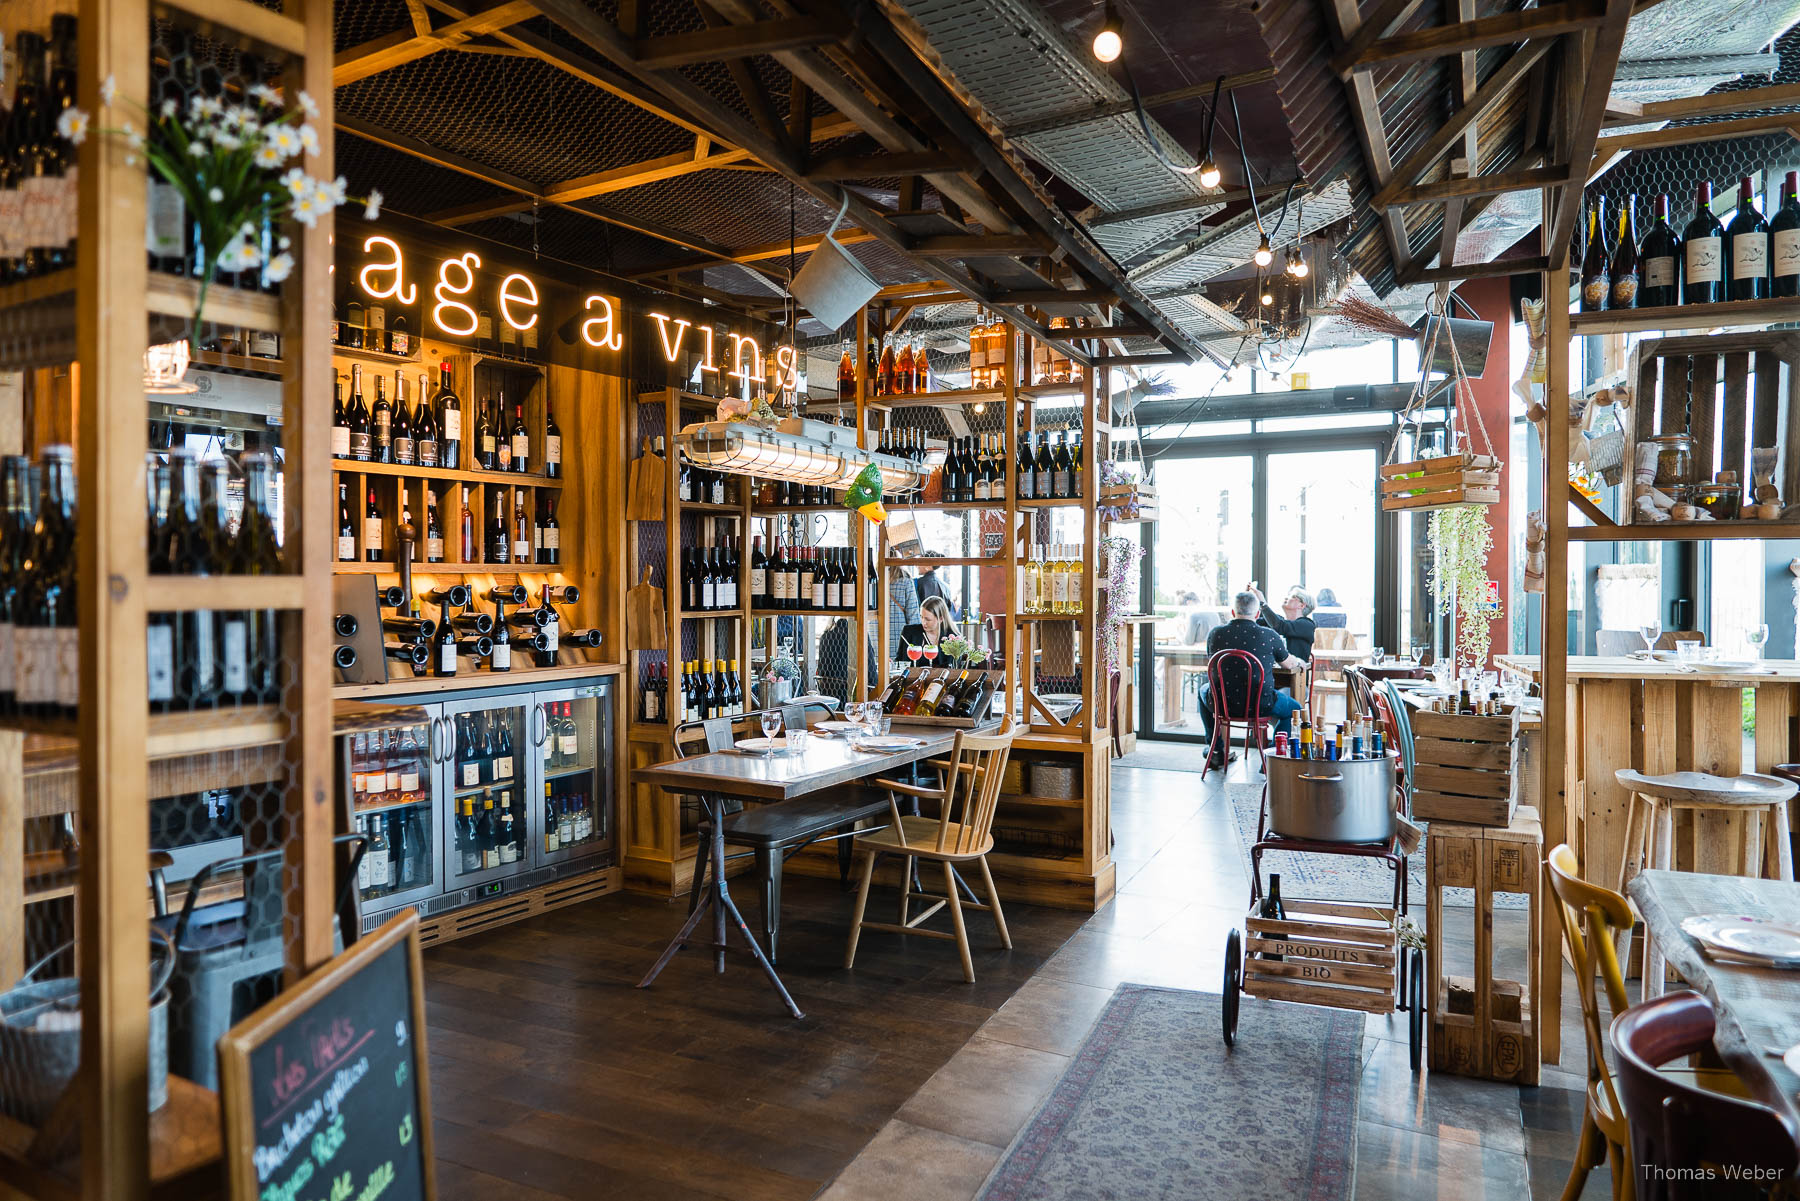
{"x":1593,"y":67}
{"x":756,"y":254}
{"x":405,"y":46}
{"x":1682,"y":135}
{"x":724,"y":42}
{"x":1454,"y":274}
{"x":1197,"y":204}
{"x":1387,"y":15}
{"x":1545,"y":21}
{"x":1499,"y":85}
{"x":1710,"y":105}
{"x":755,"y":98}
{"x":1119,"y":108}
{"x":1463,"y":187}
{"x":1343,"y":19}
{"x":868,"y":166}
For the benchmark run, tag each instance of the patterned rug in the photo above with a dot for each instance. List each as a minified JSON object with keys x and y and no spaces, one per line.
{"x":1155,"y":1106}
{"x":1341,"y":877}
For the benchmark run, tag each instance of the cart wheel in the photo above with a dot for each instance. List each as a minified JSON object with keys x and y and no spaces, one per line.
{"x":1234,"y":980}
{"x":1415,"y":1004}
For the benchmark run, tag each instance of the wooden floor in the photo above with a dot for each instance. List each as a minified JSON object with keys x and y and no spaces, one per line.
{"x":552,"y":1076}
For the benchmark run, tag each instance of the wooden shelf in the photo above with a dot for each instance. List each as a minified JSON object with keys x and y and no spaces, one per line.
{"x":1685,"y":531}
{"x":965,"y":561}
{"x":174,"y":296}
{"x":703,"y":506}
{"x":506,"y":362}
{"x":254,"y":364}
{"x":377,"y":356}
{"x":465,"y":680}
{"x":710,"y":614}
{"x":1044,"y":802}
{"x":179,"y":593}
{"x":1045,"y":616}
{"x":953,"y":506}
{"x":1076,"y":388}
{"x":785,"y":510}
{"x":459,"y":474}
{"x":31,"y":291}
{"x":1688,"y":316}
{"x":1034,"y":503}
{"x":938,"y":400}
{"x":389,"y":567}
{"x":803,"y":612}
{"x":194,"y":732}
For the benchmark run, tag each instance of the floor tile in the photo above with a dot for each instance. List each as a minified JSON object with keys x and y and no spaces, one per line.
{"x":1106,"y":961}
{"x":1049,"y":1015}
{"x":1452,"y":1108}
{"x":1133,"y":915}
{"x":914,"y":1163}
{"x":961,"y":1098}
{"x":1409,"y":1165}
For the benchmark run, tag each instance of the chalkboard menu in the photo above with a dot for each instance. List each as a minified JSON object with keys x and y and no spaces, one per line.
{"x":325,"y":1091}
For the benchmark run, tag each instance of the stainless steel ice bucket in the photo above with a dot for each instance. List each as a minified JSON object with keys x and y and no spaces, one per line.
{"x":1347,"y":800}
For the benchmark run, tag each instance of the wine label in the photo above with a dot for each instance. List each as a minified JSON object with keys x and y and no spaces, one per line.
{"x":384,"y":427}
{"x":521,"y":551}
{"x":550,"y":634}
{"x":487,"y":444}
{"x":1785,"y":243}
{"x":236,"y":655}
{"x":159,"y":648}
{"x":503,"y":459}
{"x":266,"y":343}
{"x":452,"y":424}
{"x":393,"y":778}
{"x":12,"y":205}
{"x":1059,"y":588}
{"x":552,"y":537}
{"x":340,"y":441}
{"x":371,"y":533}
{"x":427,"y":451}
{"x":553,"y":448}
{"x":447,"y":657}
{"x":1659,"y":272}
{"x":471,"y":774}
{"x":1624,"y":290}
{"x":501,"y":660}
{"x":403,"y":451}
{"x":1594,"y":291}
{"x":1704,"y":262}
{"x":818,"y":593}
{"x":1026,"y":491}
{"x":568,"y":744}
{"x":759,"y":585}
{"x":409,"y":778}
{"x":521,"y":450}
{"x":1750,"y":255}
{"x":346,"y":548}
{"x":434,"y":550}
{"x":400,"y":342}
{"x":375,"y":782}
{"x":503,"y":767}
{"x":377,"y":317}
{"x":67,"y":646}
{"x":360,"y":445}
{"x":1059,"y":483}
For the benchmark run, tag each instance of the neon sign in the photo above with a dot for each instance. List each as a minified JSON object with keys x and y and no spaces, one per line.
{"x":608,"y":337}
{"x":399,"y":290}
{"x":467,"y":263}
{"x":508,"y":298}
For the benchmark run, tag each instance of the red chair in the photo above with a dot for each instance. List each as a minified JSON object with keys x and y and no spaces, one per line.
{"x":1249,"y":713}
{"x":1677,"y":1129}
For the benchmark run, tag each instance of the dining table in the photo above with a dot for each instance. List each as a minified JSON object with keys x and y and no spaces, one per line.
{"x":826,"y":761}
{"x":1756,"y":1009}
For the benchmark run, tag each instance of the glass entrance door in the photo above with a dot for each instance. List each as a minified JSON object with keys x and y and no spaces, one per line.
{"x":1204,"y":552}
{"x":1321,"y":532}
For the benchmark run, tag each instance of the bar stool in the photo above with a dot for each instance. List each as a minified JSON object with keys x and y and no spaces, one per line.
{"x":1650,"y":828}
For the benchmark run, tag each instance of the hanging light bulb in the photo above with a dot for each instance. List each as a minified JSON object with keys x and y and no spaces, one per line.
{"x":1209,"y":174}
{"x":1268,"y":298}
{"x":1265,"y":254}
{"x":1108,"y":43}
{"x":1296,"y":263}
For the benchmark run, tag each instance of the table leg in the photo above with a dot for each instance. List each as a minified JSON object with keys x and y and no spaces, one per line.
{"x":1171,"y":706}
{"x":772,"y":901}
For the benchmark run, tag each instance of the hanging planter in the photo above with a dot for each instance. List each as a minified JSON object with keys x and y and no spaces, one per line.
{"x":1460,"y":541}
{"x":1466,"y":477}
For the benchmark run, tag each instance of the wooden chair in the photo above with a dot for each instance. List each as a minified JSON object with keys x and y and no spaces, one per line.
{"x":1671,"y":637}
{"x":1677,"y":1129}
{"x":1619,"y":643}
{"x":967,"y":796}
{"x":1759,"y":801}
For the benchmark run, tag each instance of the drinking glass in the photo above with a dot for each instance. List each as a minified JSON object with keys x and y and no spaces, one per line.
{"x":913,"y":652}
{"x":1688,"y":651}
{"x":1651,"y":630}
{"x":1418,"y":652}
{"x":931,"y":653}
{"x":1378,"y":656}
{"x":771,"y":726}
{"x":797,"y":739}
{"x":1757,"y":636}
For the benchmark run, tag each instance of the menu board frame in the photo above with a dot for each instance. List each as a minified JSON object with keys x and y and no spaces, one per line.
{"x":240,"y":1043}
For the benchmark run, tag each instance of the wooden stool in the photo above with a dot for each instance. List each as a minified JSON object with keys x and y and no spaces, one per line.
{"x":1481,"y":1026}
{"x":1650,"y":831}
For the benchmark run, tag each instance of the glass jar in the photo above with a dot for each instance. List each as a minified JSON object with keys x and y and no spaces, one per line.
{"x":1674,"y":460}
{"x":1720,"y":500}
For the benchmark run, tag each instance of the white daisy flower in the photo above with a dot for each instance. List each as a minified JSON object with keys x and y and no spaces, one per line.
{"x":170,"y":108}
{"x":109,"y":89}
{"x":280,"y":267}
{"x":133,"y":138}
{"x":296,"y":181}
{"x":267,"y":156}
{"x":372,"y":209}
{"x":215,"y":195}
{"x":309,"y":104}
{"x":309,"y":138}
{"x":339,"y":190}
{"x":247,"y":230}
{"x":224,"y":139}
{"x":205,"y":107}
{"x":306,"y":209}
{"x":283,"y":140}
{"x":283,"y":242}
{"x":72,"y":126}
{"x":266,"y":94}
{"x":197,"y":149}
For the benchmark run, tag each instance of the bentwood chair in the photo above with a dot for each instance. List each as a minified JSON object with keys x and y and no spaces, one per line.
{"x":966,"y":797}
{"x":1678,"y":1131}
{"x":1245,"y":710}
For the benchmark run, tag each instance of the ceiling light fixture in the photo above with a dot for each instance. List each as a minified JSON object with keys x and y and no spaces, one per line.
{"x":1296,"y":263}
{"x":798,"y":450}
{"x":1268,"y":298}
{"x":1209,"y":173}
{"x":165,"y":369}
{"x":1108,"y":43}
{"x":1265,"y":254}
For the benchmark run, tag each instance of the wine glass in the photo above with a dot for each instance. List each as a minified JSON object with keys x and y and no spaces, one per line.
{"x":1651,"y":630}
{"x":931,"y":653}
{"x":1757,"y":636}
{"x":771,"y":726}
{"x":913,"y":652}
{"x":1377,"y":656}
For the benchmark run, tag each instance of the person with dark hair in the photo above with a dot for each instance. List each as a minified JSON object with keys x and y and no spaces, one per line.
{"x":1243,"y":633}
{"x":1329,"y":615}
{"x":928,"y":585}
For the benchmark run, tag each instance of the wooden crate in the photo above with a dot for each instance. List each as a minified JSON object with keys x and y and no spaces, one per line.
{"x":1465,"y":479}
{"x":1727,"y":392}
{"x":1482,"y":1026}
{"x":1331,"y":954}
{"x":1464,"y":768}
{"x":1129,"y":502}
{"x":954,"y":723}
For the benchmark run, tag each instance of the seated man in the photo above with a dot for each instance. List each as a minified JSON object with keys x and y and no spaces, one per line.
{"x":1244,"y":634}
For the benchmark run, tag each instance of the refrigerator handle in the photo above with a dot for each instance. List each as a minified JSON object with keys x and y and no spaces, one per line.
{"x":434,"y":741}
{"x":540,"y":723}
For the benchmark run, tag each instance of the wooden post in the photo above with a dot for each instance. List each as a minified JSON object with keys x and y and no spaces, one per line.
{"x":1553,"y":805}
{"x":309,"y":867}
{"x":114,"y":956}
{"x":877,"y":684}
{"x":1009,"y":384}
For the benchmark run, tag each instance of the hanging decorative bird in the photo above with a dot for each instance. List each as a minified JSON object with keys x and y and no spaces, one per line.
{"x":864,"y":494}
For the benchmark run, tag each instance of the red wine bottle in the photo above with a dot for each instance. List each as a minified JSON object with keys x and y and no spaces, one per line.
{"x":1703,"y":252}
{"x":1784,"y":240}
{"x":1749,"y":235}
{"x":1659,"y":261}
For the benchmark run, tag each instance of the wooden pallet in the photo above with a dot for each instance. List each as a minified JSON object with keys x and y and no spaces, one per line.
{"x":1482,"y":1026}
{"x":1331,"y":953}
{"x":1464,"y":768}
{"x":1441,"y":483}
{"x":1726,"y":392}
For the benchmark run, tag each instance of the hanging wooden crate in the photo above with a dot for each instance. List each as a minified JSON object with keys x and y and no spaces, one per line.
{"x":1463,"y":768}
{"x":1129,"y":502}
{"x":1441,"y":483}
{"x":1728,"y":394}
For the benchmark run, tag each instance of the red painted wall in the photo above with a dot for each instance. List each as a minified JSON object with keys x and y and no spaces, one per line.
{"x":1493,"y":396}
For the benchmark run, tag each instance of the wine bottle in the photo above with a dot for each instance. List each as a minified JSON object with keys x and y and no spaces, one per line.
{"x":1749,"y":237}
{"x":255,"y":552}
{"x":521,"y":531}
{"x":486,"y":448}
{"x":416,"y":653}
{"x":346,"y":536}
{"x":402,"y":423}
{"x":552,"y":444}
{"x":1702,"y":245}
{"x":340,"y":420}
{"x":449,"y":413}
{"x":434,"y":531}
{"x":1625,"y":258}
{"x":426,"y":444}
{"x":373,"y":520}
{"x":361,"y":435}
{"x":1596,"y":283}
{"x":521,"y":440}
{"x":499,"y":545}
{"x":467,"y":531}
{"x":382,"y":426}
{"x":1660,"y":260}
{"x":1784,"y":240}
{"x":549,"y":536}
{"x":500,"y":654}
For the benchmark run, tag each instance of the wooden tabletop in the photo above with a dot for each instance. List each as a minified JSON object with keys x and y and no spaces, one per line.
{"x":1624,"y":667}
{"x":1340,"y":654}
{"x":1757,"y":1008}
{"x":824,"y":763}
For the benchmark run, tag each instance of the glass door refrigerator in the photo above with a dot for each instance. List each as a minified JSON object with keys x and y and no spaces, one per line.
{"x":488,"y":766}
{"x":392,"y":786}
{"x":572,"y":740}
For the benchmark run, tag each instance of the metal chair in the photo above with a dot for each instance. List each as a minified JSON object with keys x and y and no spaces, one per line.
{"x":1251,"y":716}
{"x":1677,"y":1129}
{"x":1403,"y":737}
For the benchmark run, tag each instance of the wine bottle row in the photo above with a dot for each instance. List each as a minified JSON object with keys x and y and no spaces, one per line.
{"x":429,"y":433}
{"x":803,"y":578}
{"x":697,"y":484}
{"x":705,"y":689}
{"x":1052,"y":580}
{"x":37,"y":162}
{"x":944,"y":693}
{"x":371,"y":326}
{"x":40,"y":644}
{"x":518,"y":539}
{"x":439,"y":644}
{"x":1747,"y":257}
